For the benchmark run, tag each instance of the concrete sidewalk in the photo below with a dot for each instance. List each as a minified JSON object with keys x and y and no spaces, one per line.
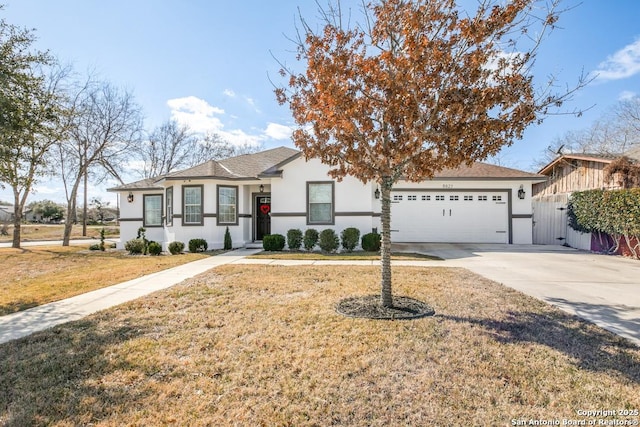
{"x":26,"y":322}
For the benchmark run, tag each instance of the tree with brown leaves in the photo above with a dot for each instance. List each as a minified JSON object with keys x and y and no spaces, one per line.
{"x":417,"y":87}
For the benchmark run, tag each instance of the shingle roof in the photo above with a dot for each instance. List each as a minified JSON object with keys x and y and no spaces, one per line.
{"x":143,"y":184}
{"x":481,"y":170}
{"x":246,"y":166}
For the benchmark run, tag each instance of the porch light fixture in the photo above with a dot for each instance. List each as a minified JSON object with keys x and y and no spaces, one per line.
{"x":130,"y":197}
{"x":521,"y":193}
{"x":261,"y":188}
{"x":376,"y":193}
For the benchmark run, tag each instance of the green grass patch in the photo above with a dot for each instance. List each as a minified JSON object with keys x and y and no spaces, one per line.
{"x":345,"y":256}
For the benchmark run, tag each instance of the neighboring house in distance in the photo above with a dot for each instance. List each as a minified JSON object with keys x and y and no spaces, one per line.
{"x":566,"y":174}
{"x":6,"y":213}
{"x":276,"y":190}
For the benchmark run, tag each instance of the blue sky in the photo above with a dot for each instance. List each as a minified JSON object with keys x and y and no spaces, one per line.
{"x":208,"y":62}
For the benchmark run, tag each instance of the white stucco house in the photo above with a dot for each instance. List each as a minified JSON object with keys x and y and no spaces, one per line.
{"x":275,"y":190}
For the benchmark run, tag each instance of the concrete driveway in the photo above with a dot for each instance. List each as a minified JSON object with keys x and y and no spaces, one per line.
{"x":602,"y":289}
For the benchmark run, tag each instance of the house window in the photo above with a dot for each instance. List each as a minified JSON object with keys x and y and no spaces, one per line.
{"x":320,"y":209}
{"x":192,"y":205}
{"x":497,"y":198}
{"x":227,"y":205}
{"x":468,"y":198}
{"x":439,"y":198}
{"x":152,"y":205}
{"x":412,"y":198}
{"x":169,"y":206}
{"x":453,"y":198}
{"x":426,"y":198}
{"x":397,"y":197}
{"x":482,"y":198}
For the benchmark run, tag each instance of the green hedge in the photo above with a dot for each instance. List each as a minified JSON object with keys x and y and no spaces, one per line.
{"x":615,"y":212}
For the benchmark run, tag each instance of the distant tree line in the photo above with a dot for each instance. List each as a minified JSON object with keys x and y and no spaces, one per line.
{"x":615,"y":133}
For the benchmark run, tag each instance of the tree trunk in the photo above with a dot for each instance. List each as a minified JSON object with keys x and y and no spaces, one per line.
{"x":71,"y":213}
{"x":84,"y":208}
{"x":17,"y":222}
{"x":68,"y":223}
{"x":386,"y":297}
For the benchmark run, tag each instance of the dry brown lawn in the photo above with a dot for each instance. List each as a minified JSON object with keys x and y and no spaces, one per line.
{"x":34,"y":276}
{"x":262,"y":345}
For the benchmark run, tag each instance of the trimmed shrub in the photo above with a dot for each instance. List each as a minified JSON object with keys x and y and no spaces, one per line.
{"x":95,"y":247}
{"x":371,"y":242}
{"x":228,"y":244}
{"x":294,"y":239}
{"x":273,"y":242}
{"x":198,"y":245}
{"x":154,"y":248}
{"x":310,"y":239}
{"x":350,"y":237}
{"x":135,"y":246}
{"x":176,"y":248}
{"x":101,"y":246}
{"x":329,"y":241}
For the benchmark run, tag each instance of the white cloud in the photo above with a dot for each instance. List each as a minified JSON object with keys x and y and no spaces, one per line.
{"x":252,"y":104}
{"x":626,"y":94}
{"x":277,"y":131}
{"x":201,"y":117}
{"x":622,"y":64}
{"x":196,"y":113}
{"x":229,"y":93}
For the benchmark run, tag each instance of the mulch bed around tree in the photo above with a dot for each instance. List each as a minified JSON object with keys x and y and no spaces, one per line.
{"x":369,"y":307}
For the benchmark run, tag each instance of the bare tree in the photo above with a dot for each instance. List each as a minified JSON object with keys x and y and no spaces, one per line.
{"x":172,"y":146}
{"x":613,"y":134}
{"x":213,"y":147}
{"x":628,"y":117}
{"x":105,"y":123}
{"x":169,"y":147}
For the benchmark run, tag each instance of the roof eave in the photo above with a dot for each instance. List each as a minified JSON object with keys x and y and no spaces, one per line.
{"x":557,"y":160}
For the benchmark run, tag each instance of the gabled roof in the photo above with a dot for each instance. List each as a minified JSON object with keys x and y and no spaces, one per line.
{"x":604,"y":158}
{"x":590,"y":157}
{"x":479,"y":170}
{"x":246,"y":166}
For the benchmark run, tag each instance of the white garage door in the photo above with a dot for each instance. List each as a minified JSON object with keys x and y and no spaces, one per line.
{"x":450,"y":216}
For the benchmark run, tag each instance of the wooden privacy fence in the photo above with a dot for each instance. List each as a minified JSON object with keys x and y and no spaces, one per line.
{"x":551,"y":225}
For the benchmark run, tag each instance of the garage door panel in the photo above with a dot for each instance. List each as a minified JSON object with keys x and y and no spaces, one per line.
{"x":456,"y":217}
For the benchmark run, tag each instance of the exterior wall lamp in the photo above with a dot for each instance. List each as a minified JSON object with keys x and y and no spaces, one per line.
{"x":376,"y":193}
{"x":130,"y":197}
{"x":261,"y":188}
{"x":521,"y":193}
